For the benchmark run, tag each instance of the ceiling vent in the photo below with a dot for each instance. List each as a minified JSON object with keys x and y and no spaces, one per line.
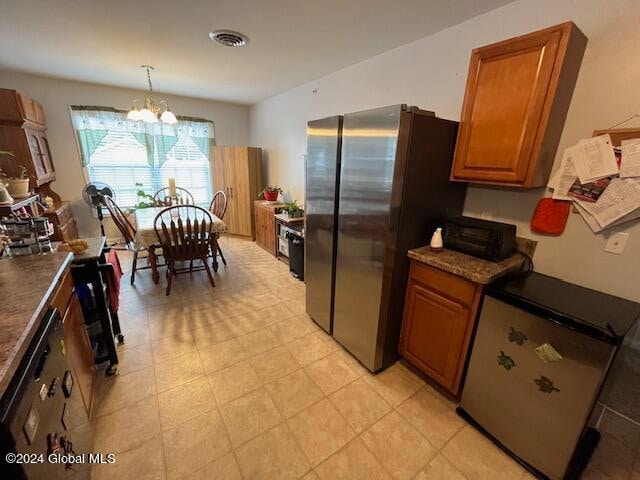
{"x":229,"y":38}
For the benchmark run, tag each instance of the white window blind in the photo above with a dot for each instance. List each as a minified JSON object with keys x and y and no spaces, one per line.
{"x":121,"y":160}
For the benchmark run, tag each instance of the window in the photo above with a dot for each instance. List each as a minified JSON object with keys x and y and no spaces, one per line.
{"x":119,"y":152}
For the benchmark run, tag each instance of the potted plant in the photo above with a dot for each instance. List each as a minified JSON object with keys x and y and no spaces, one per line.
{"x":18,"y":187}
{"x":293,"y":210}
{"x":270,"y":194}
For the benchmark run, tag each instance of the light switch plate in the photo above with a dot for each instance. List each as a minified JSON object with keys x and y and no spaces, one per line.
{"x":616,"y":243}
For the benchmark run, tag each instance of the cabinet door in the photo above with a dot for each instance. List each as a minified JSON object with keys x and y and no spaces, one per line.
{"x":36,"y":154}
{"x":514,"y":92}
{"x":265,"y":229}
{"x":433,"y":333}
{"x":79,"y":351}
{"x":47,"y":161}
{"x":239,"y":188}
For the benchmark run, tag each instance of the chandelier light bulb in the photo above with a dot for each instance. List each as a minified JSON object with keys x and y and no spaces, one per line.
{"x":134,"y":115}
{"x":168,"y":117}
{"x":148,"y":116}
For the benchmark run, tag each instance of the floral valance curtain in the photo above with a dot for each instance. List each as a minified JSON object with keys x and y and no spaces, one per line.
{"x":93,"y":124}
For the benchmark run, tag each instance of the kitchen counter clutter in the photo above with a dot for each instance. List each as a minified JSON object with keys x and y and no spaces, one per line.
{"x":24,"y":304}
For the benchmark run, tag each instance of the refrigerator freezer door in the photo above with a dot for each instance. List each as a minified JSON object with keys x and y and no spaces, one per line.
{"x":322,"y":173}
{"x":369,"y":142}
{"x":531,"y":384}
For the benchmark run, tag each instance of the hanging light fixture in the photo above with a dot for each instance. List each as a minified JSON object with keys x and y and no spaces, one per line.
{"x":151,"y":112}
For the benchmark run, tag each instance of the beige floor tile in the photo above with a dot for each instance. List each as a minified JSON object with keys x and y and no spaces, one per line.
{"x":273,"y":454}
{"x":274,"y":364}
{"x":613,"y":457}
{"x":291,"y":329}
{"x":331,"y":373}
{"x":353,"y":462}
{"x":294,"y":393}
{"x":185,"y":402}
{"x":133,"y":358}
{"x":311,"y":348}
{"x":198,"y":317}
{"x":233,"y":382}
{"x":321,"y":431}
{"x":433,"y":418}
{"x":172,"y":346}
{"x":221,"y":355}
{"x":212,"y":334}
{"x":135,"y":335}
{"x":398,"y":446}
{"x":395,"y":384}
{"x":477,"y":458}
{"x":144,"y":462}
{"x":119,"y":391}
{"x":312,"y":475}
{"x":177,"y":371}
{"x":440,"y":469}
{"x":359,"y":369}
{"x":128,"y":427}
{"x":620,"y":428}
{"x":259,"y":341}
{"x":225,"y":468}
{"x":360,"y":405}
{"x":192,"y":445}
{"x":249,"y":416}
{"x":252,"y":319}
{"x":298,"y":305}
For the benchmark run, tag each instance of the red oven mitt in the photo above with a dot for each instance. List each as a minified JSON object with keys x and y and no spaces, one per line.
{"x":550,"y":216}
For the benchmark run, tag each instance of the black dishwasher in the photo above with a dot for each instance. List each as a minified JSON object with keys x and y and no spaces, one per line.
{"x":42,"y":413}
{"x":542,"y":350}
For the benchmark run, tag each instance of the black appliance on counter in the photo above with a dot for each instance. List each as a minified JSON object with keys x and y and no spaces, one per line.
{"x":542,"y":351}
{"x":41,"y":410}
{"x":493,"y":241}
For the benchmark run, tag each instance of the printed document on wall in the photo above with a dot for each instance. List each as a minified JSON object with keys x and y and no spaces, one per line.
{"x":594,"y":159}
{"x":630,"y":166}
{"x":621,"y":197}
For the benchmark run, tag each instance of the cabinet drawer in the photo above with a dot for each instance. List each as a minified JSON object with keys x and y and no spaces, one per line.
{"x":447,"y":284}
{"x":64,"y":215}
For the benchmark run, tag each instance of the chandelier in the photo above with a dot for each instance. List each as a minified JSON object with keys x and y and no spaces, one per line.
{"x":151,"y":112}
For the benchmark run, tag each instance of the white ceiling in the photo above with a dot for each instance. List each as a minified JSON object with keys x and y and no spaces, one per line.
{"x":292,"y":41}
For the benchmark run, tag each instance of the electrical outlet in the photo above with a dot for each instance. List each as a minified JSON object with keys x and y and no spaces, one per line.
{"x":616,"y":243}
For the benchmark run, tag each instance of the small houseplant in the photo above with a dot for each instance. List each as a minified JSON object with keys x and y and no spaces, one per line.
{"x":144,"y":200}
{"x":18,"y":187}
{"x":293,"y":210}
{"x":270,"y":194}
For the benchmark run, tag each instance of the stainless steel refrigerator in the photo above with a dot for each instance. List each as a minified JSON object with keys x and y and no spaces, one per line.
{"x":384,"y":179}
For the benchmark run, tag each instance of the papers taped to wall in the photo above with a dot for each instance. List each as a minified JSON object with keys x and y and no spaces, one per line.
{"x":592,"y":162}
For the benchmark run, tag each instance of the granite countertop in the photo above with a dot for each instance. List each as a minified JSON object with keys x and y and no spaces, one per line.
{"x":472,"y":268}
{"x":26,"y":285}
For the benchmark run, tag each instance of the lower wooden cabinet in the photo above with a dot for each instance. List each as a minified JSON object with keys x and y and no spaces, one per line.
{"x":439,"y":314}
{"x":79,"y":351}
{"x":266,"y":224}
{"x":76,"y":339}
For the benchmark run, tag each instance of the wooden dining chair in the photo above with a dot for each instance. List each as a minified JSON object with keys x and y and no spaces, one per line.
{"x":218,"y":207}
{"x":128,"y":232}
{"x":161,"y":197}
{"x":184,"y":233}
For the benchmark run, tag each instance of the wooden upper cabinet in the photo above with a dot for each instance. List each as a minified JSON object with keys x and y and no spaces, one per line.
{"x":17,"y":108}
{"x":516,"y":101}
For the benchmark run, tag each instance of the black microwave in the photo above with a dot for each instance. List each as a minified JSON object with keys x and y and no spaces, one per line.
{"x":481,"y":238}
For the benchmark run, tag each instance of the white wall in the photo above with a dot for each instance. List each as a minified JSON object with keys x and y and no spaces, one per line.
{"x":231,"y":126}
{"x":431,"y":73}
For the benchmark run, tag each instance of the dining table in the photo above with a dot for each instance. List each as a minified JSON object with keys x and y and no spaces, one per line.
{"x":146,"y":236}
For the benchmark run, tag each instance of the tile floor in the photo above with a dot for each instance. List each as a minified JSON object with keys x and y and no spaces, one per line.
{"x":237,"y":382}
